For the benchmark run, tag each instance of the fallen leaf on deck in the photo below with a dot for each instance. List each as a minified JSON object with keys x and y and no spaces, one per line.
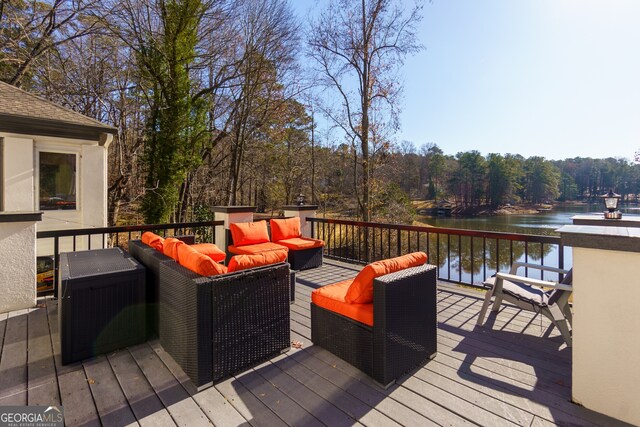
{"x":90,"y":381}
{"x":42,"y":305}
{"x":296,"y":344}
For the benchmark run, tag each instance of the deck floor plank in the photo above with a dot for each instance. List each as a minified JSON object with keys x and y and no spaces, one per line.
{"x":324,"y":411}
{"x":350,"y":379}
{"x":349,"y":404}
{"x":42,"y":378}
{"x":13,"y":364}
{"x":145,"y":404}
{"x":110,"y":400}
{"x":77,"y":401}
{"x":282,"y":405}
{"x":183,"y":409}
{"x":250,"y":407}
{"x":515,"y":370}
{"x":211,"y":402}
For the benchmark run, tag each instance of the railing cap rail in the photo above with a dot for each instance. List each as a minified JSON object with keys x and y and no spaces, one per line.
{"x":441,"y":230}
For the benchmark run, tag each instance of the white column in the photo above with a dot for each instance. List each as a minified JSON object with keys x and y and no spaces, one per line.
{"x":18,"y":255}
{"x":303,"y":212}
{"x":230,"y":215}
{"x":606,"y":322}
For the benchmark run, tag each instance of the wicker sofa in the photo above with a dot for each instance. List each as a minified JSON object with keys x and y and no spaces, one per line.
{"x":254,"y":237}
{"x":403,"y":334}
{"x":216,"y":326}
{"x":151,"y":259}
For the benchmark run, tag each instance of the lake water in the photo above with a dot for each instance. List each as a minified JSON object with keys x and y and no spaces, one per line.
{"x":543,"y":223}
{"x":458,"y":263}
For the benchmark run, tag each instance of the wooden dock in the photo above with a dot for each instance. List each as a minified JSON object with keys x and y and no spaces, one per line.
{"x":517,"y":372}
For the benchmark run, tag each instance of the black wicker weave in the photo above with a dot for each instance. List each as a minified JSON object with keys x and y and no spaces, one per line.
{"x":305,"y":258}
{"x":404,"y":335}
{"x":101,"y":304}
{"x":151,"y":259}
{"x":216,"y":326}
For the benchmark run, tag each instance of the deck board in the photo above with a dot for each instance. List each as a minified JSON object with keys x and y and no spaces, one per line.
{"x":515,"y":370}
{"x":13,"y":365}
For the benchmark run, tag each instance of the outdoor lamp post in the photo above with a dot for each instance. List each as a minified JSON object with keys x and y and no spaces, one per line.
{"x":300,"y":199}
{"x":611,"y":200}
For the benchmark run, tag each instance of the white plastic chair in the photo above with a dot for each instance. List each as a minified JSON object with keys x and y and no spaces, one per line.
{"x":528,"y":294}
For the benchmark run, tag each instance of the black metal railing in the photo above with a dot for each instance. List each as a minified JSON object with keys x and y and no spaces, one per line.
{"x":463,"y":256}
{"x":119,"y":236}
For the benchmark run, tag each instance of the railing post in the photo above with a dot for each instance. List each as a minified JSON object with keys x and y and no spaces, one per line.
{"x":230,"y":215}
{"x":303,"y":212}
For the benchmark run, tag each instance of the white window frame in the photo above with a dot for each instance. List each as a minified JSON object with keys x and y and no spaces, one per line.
{"x":46,"y":148}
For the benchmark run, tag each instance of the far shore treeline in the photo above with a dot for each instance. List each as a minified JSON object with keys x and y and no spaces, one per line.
{"x":218,"y":103}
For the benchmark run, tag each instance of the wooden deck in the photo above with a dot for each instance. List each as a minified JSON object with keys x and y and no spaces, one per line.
{"x":516,"y":373}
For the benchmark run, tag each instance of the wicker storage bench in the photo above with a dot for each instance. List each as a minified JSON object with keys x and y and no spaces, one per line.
{"x":404,"y":332}
{"x":216,"y":326}
{"x":101,"y":308}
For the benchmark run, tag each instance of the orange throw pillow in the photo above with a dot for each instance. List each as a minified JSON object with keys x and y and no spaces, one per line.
{"x":249,"y":233}
{"x":361,"y":290}
{"x":153,"y":240}
{"x":243,"y":262}
{"x":282,"y":229}
{"x":171,"y":245}
{"x":199,"y":263}
{"x":210,"y":250}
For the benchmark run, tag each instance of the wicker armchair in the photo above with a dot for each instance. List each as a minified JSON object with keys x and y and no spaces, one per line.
{"x":216,"y":326}
{"x":404,"y":331}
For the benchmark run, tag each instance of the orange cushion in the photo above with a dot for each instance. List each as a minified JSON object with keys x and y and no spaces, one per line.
{"x":332,"y":297}
{"x":256,"y":249}
{"x":282,"y":229}
{"x":198,"y":262}
{"x":210,"y":250}
{"x":153,"y":240}
{"x":361,"y":290}
{"x":249,"y":233}
{"x":300,"y":243}
{"x":171,"y":245}
{"x":243,"y":262}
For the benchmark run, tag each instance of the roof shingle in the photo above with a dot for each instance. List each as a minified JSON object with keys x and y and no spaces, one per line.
{"x":21,"y":104}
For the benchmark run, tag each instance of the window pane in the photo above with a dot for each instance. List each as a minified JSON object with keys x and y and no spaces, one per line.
{"x":57,"y":181}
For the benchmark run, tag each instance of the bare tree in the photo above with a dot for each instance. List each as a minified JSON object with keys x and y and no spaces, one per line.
{"x":358,"y":47}
{"x":28,"y":30}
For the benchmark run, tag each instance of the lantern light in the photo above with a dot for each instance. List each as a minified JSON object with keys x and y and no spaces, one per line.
{"x":611,"y":200}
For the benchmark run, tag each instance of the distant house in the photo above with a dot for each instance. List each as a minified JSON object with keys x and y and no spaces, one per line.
{"x":53,"y":160}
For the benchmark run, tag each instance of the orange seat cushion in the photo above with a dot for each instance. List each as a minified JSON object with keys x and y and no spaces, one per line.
{"x":249,"y":233}
{"x":243,"y":262}
{"x":256,"y":249}
{"x":210,"y":250}
{"x":300,"y":243}
{"x":153,"y":240}
{"x":361,"y":290}
{"x":198,"y":262}
{"x":170,"y":248}
{"x":332,"y":297}
{"x":282,"y":229}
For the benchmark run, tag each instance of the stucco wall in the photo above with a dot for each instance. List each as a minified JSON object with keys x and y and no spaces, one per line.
{"x":18,"y":174}
{"x":606,"y":341}
{"x":18,"y":272}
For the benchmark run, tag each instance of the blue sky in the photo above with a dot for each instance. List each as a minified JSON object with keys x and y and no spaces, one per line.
{"x":553,"y":78}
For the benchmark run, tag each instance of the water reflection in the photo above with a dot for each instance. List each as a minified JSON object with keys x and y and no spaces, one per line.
{"x":463,"y":258}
